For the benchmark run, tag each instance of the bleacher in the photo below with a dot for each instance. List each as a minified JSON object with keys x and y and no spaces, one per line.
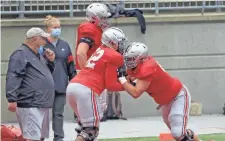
{"x":66,"y":8}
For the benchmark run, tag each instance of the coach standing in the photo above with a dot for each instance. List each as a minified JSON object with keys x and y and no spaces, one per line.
{"x":64,"y":71}
{"x":30,"y":85}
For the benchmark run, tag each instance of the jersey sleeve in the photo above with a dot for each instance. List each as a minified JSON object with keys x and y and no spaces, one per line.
{"x":111,"y":80}
{"x":88,"y":35}
{"x":147,"y":78}
{"x":116,"y":59}
{"x":144,"y":72}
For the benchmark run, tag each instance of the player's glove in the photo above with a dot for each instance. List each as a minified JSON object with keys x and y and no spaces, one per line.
{"x":121,"y":74}
{"x":133,"y":83}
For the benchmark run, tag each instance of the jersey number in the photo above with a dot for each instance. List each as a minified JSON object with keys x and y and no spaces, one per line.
{"x":94,"y":58}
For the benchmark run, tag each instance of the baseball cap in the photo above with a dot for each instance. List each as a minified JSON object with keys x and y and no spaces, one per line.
{"x":36,"y":31}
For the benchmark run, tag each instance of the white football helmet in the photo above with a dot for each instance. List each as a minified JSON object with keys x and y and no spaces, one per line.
{"x":114,"y":36}
{"x":98,"y":13}
{"x":134,"y":54}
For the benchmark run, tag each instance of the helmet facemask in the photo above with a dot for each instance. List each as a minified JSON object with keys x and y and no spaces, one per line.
{"x":130,"y":62}
{"x":104,"y":23}
{"x":121,"y":45}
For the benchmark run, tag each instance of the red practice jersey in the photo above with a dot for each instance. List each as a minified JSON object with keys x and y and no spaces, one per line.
{"x":100,"y":71}
{"x":92,"y":31}
{"x":163,"y":88}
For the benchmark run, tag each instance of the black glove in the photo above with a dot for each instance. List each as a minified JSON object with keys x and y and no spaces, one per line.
{"x":121,"y":72}
{"x":133,"y":83}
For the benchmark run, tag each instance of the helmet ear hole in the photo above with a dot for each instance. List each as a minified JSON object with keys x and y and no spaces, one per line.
{"x":112,"y":44}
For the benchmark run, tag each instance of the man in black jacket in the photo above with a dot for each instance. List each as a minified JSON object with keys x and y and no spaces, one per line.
{"x":30,"y":85}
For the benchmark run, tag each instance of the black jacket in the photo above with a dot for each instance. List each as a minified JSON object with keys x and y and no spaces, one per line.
{"x":120,"y":11}
{"x":29,"y":81}
{"x":64,"y":65}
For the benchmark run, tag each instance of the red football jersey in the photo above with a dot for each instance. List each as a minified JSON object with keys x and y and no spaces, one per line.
{"x":100,"y":71}
{"x":163,"y":87}
{"x":92,"y":31}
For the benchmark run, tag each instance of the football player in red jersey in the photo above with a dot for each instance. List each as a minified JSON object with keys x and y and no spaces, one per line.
{"x":89,"y":35}
{"x":167,"y":91}
{"x":99,"y":73}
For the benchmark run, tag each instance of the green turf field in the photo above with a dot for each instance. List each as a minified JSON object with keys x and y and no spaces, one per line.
{"x":214,"y":137}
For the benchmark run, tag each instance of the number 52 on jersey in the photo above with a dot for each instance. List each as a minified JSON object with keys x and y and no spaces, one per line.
{"x":94,"y":58}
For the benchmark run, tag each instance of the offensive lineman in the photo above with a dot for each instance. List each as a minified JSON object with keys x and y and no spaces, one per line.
{"x":89,"y":35}
{"x":169,"y":92}
{"x":99,"y":73}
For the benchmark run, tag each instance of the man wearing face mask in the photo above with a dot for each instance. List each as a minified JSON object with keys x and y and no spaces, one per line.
{"x":30,"y":85}
{"x":64,"y":71}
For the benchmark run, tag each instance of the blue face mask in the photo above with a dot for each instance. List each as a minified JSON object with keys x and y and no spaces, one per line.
{"x":56,"y":32}
{"x":41,"y":50}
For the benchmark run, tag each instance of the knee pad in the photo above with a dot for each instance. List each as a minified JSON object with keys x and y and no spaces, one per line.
{"x":89,"y":133}
{"x":176,"y":132}
{"x":189,"y":136}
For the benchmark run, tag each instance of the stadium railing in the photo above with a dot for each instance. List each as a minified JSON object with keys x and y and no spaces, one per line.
{"x":70,"y":8}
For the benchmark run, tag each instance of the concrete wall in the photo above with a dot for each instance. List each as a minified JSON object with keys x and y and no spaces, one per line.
{"x":189,"y":48}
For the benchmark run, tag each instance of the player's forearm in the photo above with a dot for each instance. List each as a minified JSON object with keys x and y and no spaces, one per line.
{"x":130,"y":88}
{"x":82,"y":59}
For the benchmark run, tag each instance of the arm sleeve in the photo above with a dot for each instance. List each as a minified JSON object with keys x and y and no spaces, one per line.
{"x":70,"y":65}
{"x":15,"y":74}
{"x":87,"y":40}
{"x":111,"y":81}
